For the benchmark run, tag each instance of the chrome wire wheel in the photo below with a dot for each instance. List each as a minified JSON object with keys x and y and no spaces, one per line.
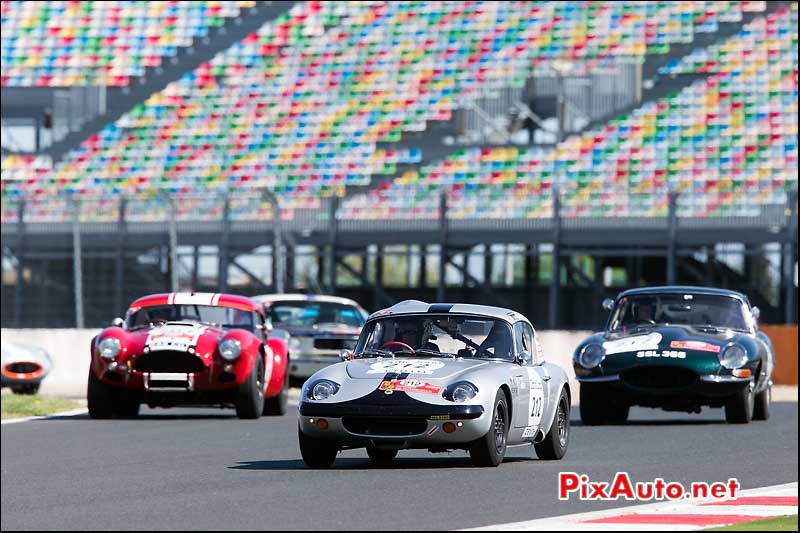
{"x":260,"y":379}
{"x":563,"y":422}
{"x":500,"y":428}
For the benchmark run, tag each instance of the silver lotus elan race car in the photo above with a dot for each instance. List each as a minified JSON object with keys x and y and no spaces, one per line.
{"x":437,"y":377}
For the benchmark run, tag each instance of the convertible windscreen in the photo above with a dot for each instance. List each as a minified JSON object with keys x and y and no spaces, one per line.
{"x":226,"y":317}
{"x":302,"y":313}
{"x":434,"y":334}
{"x":643,"y":310}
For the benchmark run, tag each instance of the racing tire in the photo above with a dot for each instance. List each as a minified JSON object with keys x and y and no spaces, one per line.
{"x":125,"y":404}
{"x":739,"y":407}
{"x":597,"y":410}
{"x":380,"y":456}
{"x":761,"y":405}
{"x":99,"y":398}
{"x":490,"y":449}
{"x":250,"y":398}
{"x":276,"y":406}
{"x":554,"y":445}
{"x":30,"y":388}
{"x":317,"y":453}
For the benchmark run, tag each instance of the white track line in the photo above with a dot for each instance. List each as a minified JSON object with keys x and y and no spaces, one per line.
{"x":578,"y":521}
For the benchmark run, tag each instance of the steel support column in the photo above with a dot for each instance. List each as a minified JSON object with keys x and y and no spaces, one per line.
{"x":789,"y":259}
{"x":555,"y":282}
{"x":278,"y":257}
{"x":119,"y":265}
{"x":77,"y":268}
{"x":20,"y":253}
{"x":173,"y":245}
{"x":672,"y":221}
{"x":440,"y":292}
{"x":333,"y":254}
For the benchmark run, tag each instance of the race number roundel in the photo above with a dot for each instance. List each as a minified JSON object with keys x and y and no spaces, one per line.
{"x":536,"y":404}
{"x":404,"y":366}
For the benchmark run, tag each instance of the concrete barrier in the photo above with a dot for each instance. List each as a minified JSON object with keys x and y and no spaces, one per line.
{"x":69,"y":349}
{"x":784,"y":339}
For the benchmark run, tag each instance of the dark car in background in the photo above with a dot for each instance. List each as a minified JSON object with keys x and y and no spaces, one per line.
{"x":319,"y":328}
{"x":677,"y":348}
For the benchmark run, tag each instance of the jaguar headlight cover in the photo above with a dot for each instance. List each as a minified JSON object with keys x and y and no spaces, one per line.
{"x":322,"y":389}
{"x":733,"y":356}
{"x":230,"y":349}
{"x":109,"y":347}
{"x":460,"y":392}
{"x":591,"y":355}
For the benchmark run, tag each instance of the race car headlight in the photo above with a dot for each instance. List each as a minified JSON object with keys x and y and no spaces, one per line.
{"x":460,"y":392}
{"x":294,"y":344}
{"x":733,"y":356}
{"x":322,"y":389}
{"x":591,"y":355}
{"x":229,"y":349}
{"x":108,"y":348}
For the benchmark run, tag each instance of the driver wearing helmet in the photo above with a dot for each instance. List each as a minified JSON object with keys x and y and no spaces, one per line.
{"x":408,"y":333}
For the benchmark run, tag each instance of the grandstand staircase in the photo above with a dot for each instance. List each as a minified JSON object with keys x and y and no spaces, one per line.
{"x":430,"y":143}
{"x":121,"y":100}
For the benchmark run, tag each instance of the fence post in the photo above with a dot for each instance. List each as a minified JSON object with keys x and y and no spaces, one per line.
{"x":555,"y":274}
{"x":790,"y":256}
{"x":224,"y":252}
{"x":20,"y":253}
{"x":333,"y":254}
{"x":120,"y":261}
{"x":173,"y":244}
{"x":278,"y":272}
{"x":77,"y":267}
{"x":672,"y":232}
{"x":440,"y":293}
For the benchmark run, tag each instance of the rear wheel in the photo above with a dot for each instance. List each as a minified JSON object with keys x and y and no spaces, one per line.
{"x":99,"y":398}
{"x":317,"y":453}
{"x":555,"y":443}
{"x":250,"y":401}
{"x":380,"y":456}
{"x":761,"y":406}
{"x":739,"y":407}
{"x":599,"y":407}
{"x":276,"y":405}
{"x":490,"y":449}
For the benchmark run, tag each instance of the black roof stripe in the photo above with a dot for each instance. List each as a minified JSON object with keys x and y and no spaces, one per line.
{"x":440,"y":308}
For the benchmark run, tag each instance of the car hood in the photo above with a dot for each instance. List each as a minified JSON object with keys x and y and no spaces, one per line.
{"x":663,"y":336}
{"x":429,"y":368}
{"x":178,"y":336}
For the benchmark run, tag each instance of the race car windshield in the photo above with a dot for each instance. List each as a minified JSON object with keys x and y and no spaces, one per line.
{"x":225,"y":317}
{"x":302,"y":313}
{"x":430,"y":335}
{"x":698,"y":310}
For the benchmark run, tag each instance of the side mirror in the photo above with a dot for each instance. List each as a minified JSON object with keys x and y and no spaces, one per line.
{"x":346,"y":355}
{"x":756,"y":312}
{"x":524,"y":358}
{"x":118,"y":322}
{"x":608,"y":304}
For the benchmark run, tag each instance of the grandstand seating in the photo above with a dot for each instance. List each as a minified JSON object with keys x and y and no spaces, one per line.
{"x":728,"y":143}
{"x":300,"y":105}
{"x":60,"y":44}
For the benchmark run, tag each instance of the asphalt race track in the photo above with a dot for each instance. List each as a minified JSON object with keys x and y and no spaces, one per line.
{"x":205,"y":469}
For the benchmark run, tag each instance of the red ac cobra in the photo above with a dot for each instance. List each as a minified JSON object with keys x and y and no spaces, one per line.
{"x":188,"y":349}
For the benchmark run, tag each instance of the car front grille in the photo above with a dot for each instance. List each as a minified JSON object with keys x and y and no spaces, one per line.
{"x":168,"y":361}
{"x":334,"y":344}
{"x":385,"y":427}
{"x":659,"y":377}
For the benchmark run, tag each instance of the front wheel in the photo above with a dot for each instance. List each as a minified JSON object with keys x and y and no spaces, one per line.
{"x":250,"y":400}
{"x":317,"y":453}
{"x":761,"y":406}
{"x":739,"y":407}
{"x":99,"y":398}
{"x":555,"y":443}
{"x":490,"y":449}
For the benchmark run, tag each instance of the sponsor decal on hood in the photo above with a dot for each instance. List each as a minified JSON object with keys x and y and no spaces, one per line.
{"x":405,"y":366}
{"x":695,"y":345}
{"x":409,"y":385}
{"x":179,"y":337}
{"x":633,"y":344}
